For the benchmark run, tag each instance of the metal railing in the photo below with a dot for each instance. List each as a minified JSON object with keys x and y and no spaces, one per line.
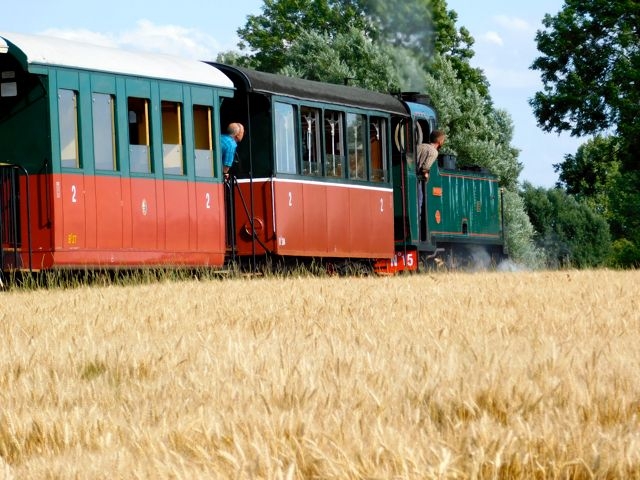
{"x":12,"y":245}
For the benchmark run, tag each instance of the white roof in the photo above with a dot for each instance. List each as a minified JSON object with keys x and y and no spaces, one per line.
{"x":41,"y":50}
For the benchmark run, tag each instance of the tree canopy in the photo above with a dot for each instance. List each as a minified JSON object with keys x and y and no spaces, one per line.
{"x":268,"y":36}
{"x":569,"y":232}
{"x":590,"y":69}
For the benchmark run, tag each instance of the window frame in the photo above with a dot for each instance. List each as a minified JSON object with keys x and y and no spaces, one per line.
{"x":208,"y":132}
{"x":145,"y":128}
{"x":290,"y":136}
{"x":65,"y":143}
{"x":115,"y":164}
{"x":338,"y":114}
{"x":172,"y":129}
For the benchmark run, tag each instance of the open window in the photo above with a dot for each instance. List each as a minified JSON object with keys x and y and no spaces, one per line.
{"x":356,"y":133}
{"x":378,"y":149}
{"x":333,"y":143}
{"x":172,"y":151}
{"x":203,"y":140}
{"x":139,"y":139}
{"x":310,"y":127}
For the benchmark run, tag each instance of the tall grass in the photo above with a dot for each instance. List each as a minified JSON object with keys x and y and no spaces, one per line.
{"x":489,"y":375}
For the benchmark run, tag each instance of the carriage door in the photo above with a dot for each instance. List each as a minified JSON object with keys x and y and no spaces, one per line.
{"x":423,"y":130}
{"x":10,"y":237}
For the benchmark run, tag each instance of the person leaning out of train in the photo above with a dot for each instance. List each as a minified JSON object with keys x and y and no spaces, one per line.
{"x":228,"y":144}
{"x":428,"y":154}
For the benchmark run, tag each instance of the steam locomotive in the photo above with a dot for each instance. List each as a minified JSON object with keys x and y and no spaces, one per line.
{"x":111,"y":159}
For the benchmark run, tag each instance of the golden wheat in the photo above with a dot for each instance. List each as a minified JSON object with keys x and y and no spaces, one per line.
{"x":487,"y":375}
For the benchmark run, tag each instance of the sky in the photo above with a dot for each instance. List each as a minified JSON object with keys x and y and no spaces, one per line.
{"x":504,"y":33}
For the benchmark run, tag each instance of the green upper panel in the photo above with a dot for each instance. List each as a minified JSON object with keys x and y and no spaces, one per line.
{"x":463,"y":204}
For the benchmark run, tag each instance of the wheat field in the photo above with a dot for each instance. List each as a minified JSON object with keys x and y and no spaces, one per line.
{"x":447,"y":375}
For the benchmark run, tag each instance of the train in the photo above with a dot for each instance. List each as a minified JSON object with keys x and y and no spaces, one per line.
{"x":111,"y":159}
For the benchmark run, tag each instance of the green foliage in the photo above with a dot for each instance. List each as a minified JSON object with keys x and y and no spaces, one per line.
{"x":624,"y":202}
{"x":590,"y":173}
{"x":282,"y":22}
{"x":625,"y":254}
{"x":408,"y":29}
{"x":590,"y":67}
{"x":344,"y":57}
{"x":519,"y":232}
{"x":569,"y":232}
{"x":477,"y":133}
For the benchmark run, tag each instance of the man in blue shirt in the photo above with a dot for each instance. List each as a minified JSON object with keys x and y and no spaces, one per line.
{"x":228,"y":144}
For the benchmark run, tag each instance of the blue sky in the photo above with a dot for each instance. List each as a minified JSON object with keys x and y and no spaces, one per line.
{"x":503,"y":30}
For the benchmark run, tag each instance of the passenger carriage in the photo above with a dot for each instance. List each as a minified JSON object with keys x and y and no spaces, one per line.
{"x":314,"y":172}
{"x":109,"y":157}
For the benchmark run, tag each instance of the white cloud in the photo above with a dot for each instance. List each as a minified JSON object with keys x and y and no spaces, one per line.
{"x":170,"y":39}
{"x":81,"y":35}
{"x":146,"y":36}
{"x":513,"y":23}
{"x":493,"y":38}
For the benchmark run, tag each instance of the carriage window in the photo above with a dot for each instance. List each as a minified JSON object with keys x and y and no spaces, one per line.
{"x":333,"y":143}
{"x":68,"y":123}
{"x":172,"y":138}
{"x":355,"y":145}
{"x":8,"y":87}
{"x":104,"y":138}
{"x":285,"y":138}
{"x":378,"y":145}
{"x":139,"y":151}
{"x":203,"y":139}
{"x":311,"y":158}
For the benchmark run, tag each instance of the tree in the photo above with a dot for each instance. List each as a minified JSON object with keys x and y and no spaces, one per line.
{"x":594,"y":177}
{"x":590,"y":68}
{"x":478,"y":134}
{"x":569,"y":232}
{"x":589,"y":175}
{"x":282,"y":22}
{"x":415,"y":29}
{"x":330,"y":58}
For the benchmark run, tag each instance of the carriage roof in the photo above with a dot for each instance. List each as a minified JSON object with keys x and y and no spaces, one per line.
{"x":35,"y":50}
{"x":269,"y":83}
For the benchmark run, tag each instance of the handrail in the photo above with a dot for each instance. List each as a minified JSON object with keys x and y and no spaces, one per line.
{"x":234,"y":180}
{"x":13,"y":212}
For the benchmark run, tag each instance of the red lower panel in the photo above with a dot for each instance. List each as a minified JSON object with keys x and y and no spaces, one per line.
{"x":317,"y":219}
{"x":114,"y":221}
{"x":109,"y":259}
